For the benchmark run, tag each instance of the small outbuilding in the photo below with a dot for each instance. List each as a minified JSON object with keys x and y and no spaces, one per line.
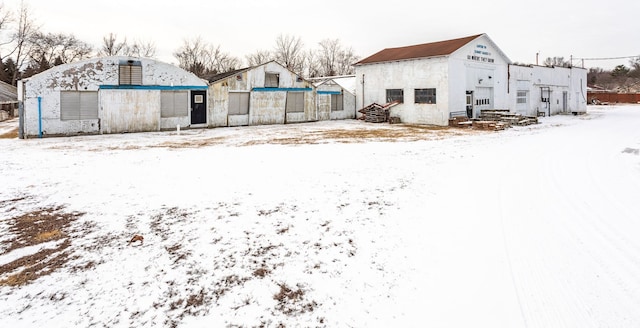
{"x":8,"y":101}
{"x":264,"y":94}
{"x":544,"y":91}
{"x":111,"y":95}
{"x":337,"y":96}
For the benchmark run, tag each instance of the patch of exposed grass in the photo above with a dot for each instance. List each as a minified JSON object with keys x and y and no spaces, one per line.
{"x":12,"y":134}
{"x":49,"y":235}
{"x":32,"y":229}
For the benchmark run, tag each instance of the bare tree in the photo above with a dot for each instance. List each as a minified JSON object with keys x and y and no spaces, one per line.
{"x":289,"y":52}
{"x":222,"y":61}
{"x":312,"y":65}
{"x":634,"y":63}
{"x":346,"y":61}
{"x":142,"y":49}
{"x":50,"y":49}
{"x":25,"y":30}
{"x":556,"y":62}
{"x":192,"y":56}
{"x":5,"y":19}
{"x":204,"y":59}
{"x":259,"y":57}
{"x":334,"y":59}
{"x":112,"y":47}
{"x":329,"y":55}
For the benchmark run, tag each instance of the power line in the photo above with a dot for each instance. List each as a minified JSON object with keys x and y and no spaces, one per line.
{"x":606,"y":58}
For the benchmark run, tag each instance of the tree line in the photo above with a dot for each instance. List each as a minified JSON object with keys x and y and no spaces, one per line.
{"x":622,"y":77}
{"x":25,"y":50}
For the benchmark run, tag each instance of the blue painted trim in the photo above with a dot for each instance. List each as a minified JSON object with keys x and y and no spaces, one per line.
{"x":281,"y":89}
{"x":39,"y":117}
{"x":329,"y":92}
{"x":154,"y":87}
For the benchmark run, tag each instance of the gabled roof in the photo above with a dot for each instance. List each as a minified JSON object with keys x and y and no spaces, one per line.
{"x":346,"y":82}
{"x":8,"y":92}
{"x":219,"y":77}
{"x":433,"y":49}
{"x":222,"y":76}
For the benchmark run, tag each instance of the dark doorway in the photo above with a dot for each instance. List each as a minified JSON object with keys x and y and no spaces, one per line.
{"x":469,"y":104}
{"x":198,"y":107}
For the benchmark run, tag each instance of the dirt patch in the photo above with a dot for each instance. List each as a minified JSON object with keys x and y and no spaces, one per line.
{"x":32,"y":229}
{"x":385,"y":133}
{"x":11,"y":134}
{"x":291,"y":301}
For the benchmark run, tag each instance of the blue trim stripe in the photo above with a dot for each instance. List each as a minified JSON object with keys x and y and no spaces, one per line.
{"x":329,"y":92}
{"x":281,"y":89}
{"x":154,"y":87}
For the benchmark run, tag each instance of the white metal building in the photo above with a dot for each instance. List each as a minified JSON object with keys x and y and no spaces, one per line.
{"x":336,"y":95}
{"x":540,"y":90}
{"x":111,"y":95}
{"x":265,"y":94}
{"x":437,"y":80}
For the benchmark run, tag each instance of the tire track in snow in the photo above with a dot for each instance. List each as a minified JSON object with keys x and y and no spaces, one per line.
{"x":565,"y":240}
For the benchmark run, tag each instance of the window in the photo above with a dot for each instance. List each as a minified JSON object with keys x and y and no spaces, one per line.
{"x":522,"y":97}
{"x":336,"y":103}
{"x":174,"y":103}
{"x":238,"y":103}
{"x":271,"y":80}
{"x":395,"y":95}
{"x":425,"y":96}
{"x":295,"y":102}
{"x":78,"y":105}
{"x":130,"y":72}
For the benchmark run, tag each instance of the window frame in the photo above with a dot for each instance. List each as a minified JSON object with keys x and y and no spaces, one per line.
{"x":391,"y":97}
{"x":86,"y":105}
{"x":241,"y":104}
{"x":337,"y":102}
{"x":298,"y":102}
{"x":271,"y":80}
{"x":428,"y":98}
{"x":172,"y":105}
{"x":130,"y":72}
{"x":522,"y":97}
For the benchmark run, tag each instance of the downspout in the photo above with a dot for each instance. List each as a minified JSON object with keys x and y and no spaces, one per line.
{"x":508,"y":78}
{"x":39,"y":117}
{"x":21,"y":119}
{"x":362,"y":96}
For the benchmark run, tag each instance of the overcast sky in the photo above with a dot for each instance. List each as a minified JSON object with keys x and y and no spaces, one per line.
{"x":584,"y":29}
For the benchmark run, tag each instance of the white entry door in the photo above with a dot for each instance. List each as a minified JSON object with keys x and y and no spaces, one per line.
{"x":483,"y":99}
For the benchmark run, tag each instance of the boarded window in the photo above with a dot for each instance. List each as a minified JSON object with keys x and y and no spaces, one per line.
{"x":238,"y":103}
{"x":295,"y":102}
{"x":130,"y":73}
{"x":425,"y":96}
{"x":336,"y":103}
{"x":522,"y":97}
{"x":271,"y":80}
{"x":395,"y":95}
{"x":174,"y":103}
{"x":78,"y":105}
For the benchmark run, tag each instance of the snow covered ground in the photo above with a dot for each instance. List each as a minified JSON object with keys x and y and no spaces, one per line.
{"x":330,"y":224}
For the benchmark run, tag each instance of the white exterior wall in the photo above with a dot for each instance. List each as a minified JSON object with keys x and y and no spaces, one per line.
{"x":561,"y":81}
{"x":479,"y":67}
{"x":142,"y":108}
{"x":324,"y":102}
{"x":407,"y":75}
{"x":132,"y":108}
{"x":265,"y":106}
